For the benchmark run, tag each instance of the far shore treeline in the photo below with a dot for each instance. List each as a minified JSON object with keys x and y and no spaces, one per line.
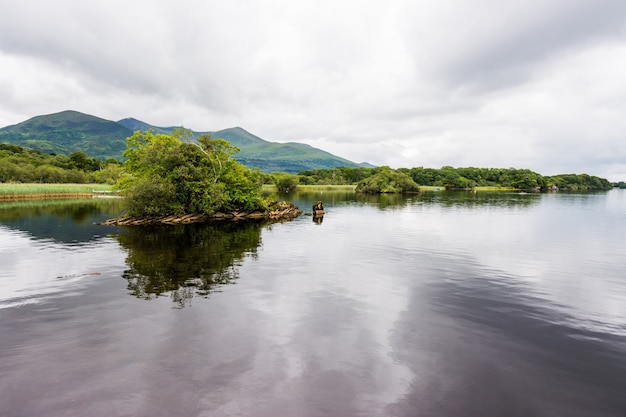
{"x":23,"y":165}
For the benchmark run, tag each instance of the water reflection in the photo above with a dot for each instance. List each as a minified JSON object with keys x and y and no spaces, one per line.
{"x":486,"y":329}
{"x":54,"y":247}
{"x":305,"y":199}
{"x":188,"y":260}
{"x":66,"y":221}
{"x":474,"y":310}
{"x":475,"y":199}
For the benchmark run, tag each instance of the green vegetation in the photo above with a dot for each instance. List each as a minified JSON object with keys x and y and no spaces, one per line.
{"x":519,"y":179}
{"x":49,"y":189}
{"x":71,"y":147}
{"x":163,"y":175}
{"x":257,"y":153}
{"x":18,"y":164}
{"x":469,"y":178}
{"x":286,"y":182}
{"x":329,"y":187}
{"x":383,"y":179}
{"x":338,"y":176}
{"x":387,"y":181}
{"x":288,"y":157}
{"x":68,"y":131}
{"x":578,"y":182}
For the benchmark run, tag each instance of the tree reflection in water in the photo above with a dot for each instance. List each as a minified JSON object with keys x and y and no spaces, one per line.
{"x":187,"y":260}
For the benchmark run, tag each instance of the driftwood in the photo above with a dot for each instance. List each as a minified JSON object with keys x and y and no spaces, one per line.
{"x":278,"y":211}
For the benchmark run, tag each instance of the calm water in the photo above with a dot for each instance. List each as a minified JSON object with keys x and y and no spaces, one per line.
{"x":434,"y":305}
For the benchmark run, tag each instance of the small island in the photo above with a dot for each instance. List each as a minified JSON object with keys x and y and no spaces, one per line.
{"x":170,"y":179}
{"x":277,"y":211}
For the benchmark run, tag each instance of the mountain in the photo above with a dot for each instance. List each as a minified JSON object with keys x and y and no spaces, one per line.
{"x":134,"y":125}
{"x":273,"y":156}
{"x":69,"y":131}
{"x":255,"y":152}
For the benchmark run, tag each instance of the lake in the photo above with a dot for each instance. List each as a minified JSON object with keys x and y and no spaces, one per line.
{"x":438,"y":304}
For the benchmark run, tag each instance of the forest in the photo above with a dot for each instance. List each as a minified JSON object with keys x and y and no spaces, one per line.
{"x":22,"y":165}
{"x":452,"y":178}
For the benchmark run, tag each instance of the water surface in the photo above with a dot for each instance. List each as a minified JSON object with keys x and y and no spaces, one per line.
{"x":439,"y":304}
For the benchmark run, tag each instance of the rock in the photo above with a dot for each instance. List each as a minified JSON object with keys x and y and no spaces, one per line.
{"x":318,"y":209}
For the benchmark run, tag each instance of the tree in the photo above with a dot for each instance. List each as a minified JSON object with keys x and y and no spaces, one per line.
{"x":79,"y":160}
{"x":163,"y":175}
{"x":286,"y":182}
{"x":387,"y":181}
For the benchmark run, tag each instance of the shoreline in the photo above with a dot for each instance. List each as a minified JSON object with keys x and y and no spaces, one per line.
{"x":44,"y":191}
{"x":50,"y":196}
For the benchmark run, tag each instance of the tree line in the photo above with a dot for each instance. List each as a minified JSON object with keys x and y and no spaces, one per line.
{"x":385,"y":179}
{"x":22,"y":165}
{"x":18,"y":164}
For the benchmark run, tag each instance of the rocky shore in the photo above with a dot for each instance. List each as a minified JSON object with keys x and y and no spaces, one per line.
{"x":278,"y":211}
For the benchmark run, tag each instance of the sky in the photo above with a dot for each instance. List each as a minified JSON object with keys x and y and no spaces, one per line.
{"x":537,"y":84}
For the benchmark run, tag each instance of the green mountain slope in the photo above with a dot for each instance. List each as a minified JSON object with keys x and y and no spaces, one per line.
{"x":69,"y":131}
{"x":134,"y":125}
{"x":272,"y":156}
{"x":258,"y":153}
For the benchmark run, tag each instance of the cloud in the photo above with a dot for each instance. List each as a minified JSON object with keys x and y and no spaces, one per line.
{"x":523,"y":83}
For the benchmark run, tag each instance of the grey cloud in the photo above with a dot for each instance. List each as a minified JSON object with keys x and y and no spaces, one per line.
{"x":490,"y":45}
{"x":531,"y":84}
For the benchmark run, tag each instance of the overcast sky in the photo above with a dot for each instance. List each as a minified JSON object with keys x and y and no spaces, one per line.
{"x":537,"y":84}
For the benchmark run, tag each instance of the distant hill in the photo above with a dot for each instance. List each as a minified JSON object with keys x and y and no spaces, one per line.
{"x":134,"y":125}
{"x":273,"y":156}
{"x":69,"y":131}
{"x":255,"y":152}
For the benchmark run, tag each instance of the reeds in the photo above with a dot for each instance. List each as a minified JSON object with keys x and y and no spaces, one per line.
{"x":17,"y":190}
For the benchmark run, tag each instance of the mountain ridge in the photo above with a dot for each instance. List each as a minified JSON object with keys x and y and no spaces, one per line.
{"x":68,"y":131}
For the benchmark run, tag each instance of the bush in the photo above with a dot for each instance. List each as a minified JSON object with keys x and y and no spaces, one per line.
{"x":163,"y":175}
{"x":387,"y":181}
{"x":152,"y":197}
{"x":286,"y":182}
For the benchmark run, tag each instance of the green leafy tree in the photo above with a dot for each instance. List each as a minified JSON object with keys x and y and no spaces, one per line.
{"x":286,"y":182}
{"x":19,"y":164}
{"x":387,"y":181}
{"x":163,"y":175}
{"x":582,"y":182}
{"x":79,"y":160}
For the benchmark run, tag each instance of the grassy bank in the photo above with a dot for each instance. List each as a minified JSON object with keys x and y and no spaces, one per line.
{"x":475,"y":189}
{"x":9,"y":191}
{"x":323,"y":187}
{"x":495,"y":189}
